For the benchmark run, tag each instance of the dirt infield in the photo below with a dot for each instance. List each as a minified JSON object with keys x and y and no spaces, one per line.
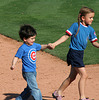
{"x":51,"y":72}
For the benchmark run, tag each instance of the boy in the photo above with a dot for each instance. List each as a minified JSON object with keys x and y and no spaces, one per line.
{"x":27,"y":52}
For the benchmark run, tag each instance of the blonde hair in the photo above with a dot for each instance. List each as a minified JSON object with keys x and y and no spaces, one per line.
{"x":83,"y":11}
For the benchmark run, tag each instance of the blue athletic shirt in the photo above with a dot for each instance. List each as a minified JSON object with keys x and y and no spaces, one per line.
{"x":28,"y":56}
{"x":80,"y":41}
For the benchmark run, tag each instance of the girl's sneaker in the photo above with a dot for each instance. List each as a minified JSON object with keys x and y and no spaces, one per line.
{"x":89,"y":99}
{"x":86,"y":99}
{"x":55,"y":95}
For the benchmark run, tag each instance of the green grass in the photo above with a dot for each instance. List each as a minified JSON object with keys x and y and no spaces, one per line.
{"x":50,"y":18}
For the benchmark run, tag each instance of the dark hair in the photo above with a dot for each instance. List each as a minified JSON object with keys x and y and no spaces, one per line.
{"x":26,"y":31}
{"x":83,"y":11}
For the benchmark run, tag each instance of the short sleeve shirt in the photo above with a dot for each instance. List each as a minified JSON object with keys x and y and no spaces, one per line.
{"x":28,"y":56}
{"x":80,"y":41}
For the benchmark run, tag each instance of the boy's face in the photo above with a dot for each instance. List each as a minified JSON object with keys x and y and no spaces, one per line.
{"x":30,"y":40}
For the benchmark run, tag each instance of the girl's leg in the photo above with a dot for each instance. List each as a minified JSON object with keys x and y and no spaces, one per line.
{"x":82,"y":81}
{"x":67,"y":81}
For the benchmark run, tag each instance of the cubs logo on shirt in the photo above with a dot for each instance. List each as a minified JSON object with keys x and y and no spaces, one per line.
{"x":32,"y":55}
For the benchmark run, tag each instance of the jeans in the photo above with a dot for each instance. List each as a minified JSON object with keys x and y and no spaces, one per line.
{"x":31,"y":89}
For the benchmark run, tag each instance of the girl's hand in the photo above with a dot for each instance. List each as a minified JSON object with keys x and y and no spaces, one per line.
{"x":51,"y":46}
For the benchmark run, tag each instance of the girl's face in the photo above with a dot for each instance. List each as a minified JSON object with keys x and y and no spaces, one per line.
{"x":87,"y":19}
{"x":30,"y":40}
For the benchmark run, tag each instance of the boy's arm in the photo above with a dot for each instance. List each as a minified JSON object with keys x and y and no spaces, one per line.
{"x":59,"y":41}
{"x":14,"y":61}
{"x":44,"y":46}
{"x":95,"y":44}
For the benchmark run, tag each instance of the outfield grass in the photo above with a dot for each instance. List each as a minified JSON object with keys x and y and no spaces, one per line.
{"x":50,"y":18}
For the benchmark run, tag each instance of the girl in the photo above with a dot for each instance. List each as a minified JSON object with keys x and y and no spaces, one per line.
{"x":80,"y":33}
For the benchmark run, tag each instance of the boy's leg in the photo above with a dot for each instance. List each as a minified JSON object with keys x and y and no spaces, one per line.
{"x":67,"y":81}
{"x":82,"y":81}
{"x":30,"y":77}
{"x":24,"y":95}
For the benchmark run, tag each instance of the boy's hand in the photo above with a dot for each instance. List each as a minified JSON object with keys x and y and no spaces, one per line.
{"x":12,"y":67}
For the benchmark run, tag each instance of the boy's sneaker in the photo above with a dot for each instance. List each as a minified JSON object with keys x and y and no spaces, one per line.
{"x":55,"y":95}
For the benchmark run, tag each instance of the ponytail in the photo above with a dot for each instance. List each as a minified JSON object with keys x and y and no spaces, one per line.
{"x":78,"y":24}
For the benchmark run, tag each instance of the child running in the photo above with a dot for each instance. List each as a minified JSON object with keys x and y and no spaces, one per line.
{"x":27,"y":52}
{"x":80,"y":33}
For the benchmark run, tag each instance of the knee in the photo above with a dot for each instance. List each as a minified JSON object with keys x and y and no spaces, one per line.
{"x":84,"y":76}
{"x":35,"y":91}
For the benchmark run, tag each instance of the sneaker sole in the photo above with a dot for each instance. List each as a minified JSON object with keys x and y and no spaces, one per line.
{"x":54,"y":96}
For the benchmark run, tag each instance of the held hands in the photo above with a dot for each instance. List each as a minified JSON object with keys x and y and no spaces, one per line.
{"x":51,"y":46}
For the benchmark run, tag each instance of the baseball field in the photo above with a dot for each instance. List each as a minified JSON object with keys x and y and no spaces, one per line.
{"x":51,"y":73}
{"x":50,"y":18}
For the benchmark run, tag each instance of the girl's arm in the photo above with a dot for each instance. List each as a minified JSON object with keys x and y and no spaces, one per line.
{"x":14,"y":61}
{"x":59,"y":41}
{"x":95,"y":44}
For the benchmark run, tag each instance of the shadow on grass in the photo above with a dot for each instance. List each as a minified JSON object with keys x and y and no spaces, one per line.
{"x":10,"y":96}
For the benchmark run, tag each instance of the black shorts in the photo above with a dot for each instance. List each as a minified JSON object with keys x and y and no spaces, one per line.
{"x":75,"y":58}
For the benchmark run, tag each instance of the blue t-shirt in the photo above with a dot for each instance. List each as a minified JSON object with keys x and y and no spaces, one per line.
{"x":80,"y":41}
{"x":28,"y":56}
